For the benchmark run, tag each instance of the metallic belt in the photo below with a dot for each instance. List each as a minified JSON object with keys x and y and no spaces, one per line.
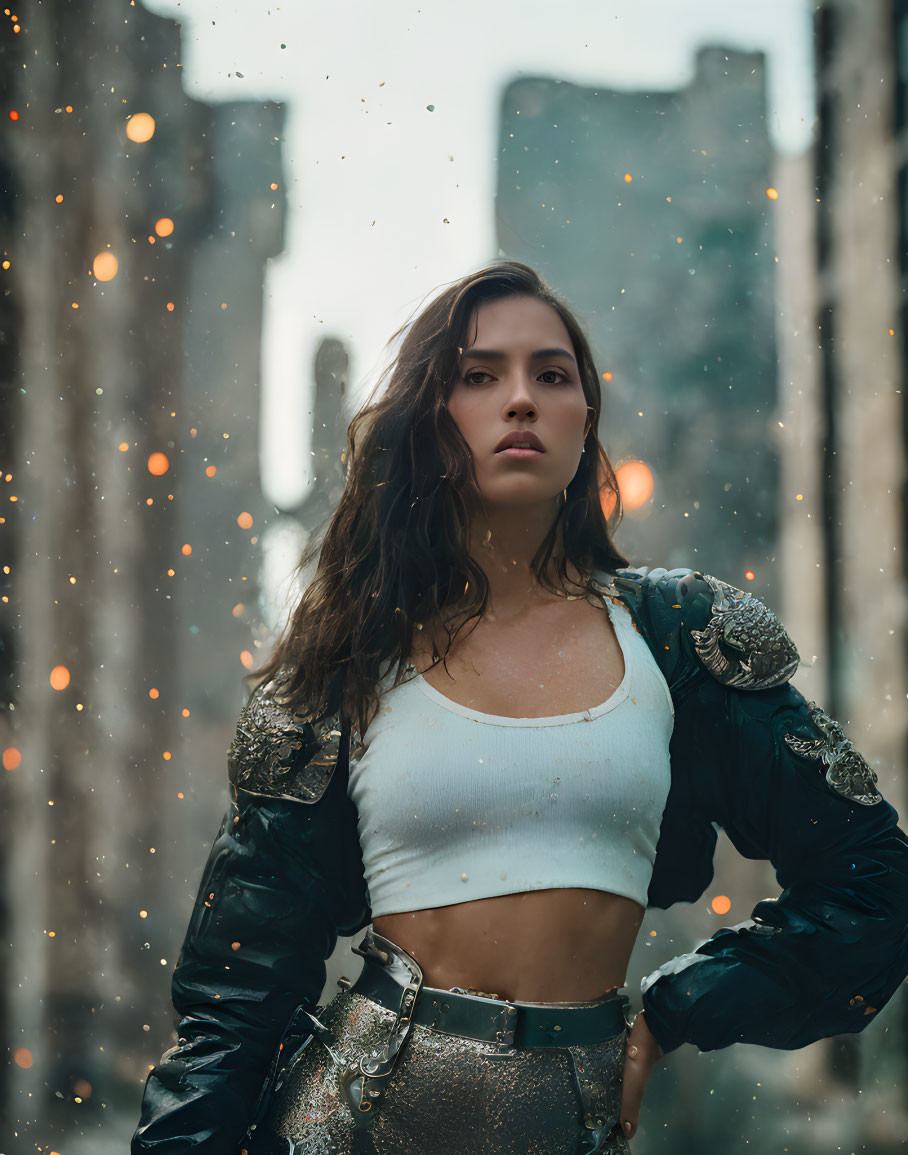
{"x":509,"y":1025}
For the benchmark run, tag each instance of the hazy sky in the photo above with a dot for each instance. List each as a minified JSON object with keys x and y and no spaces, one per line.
{"x":388,"y":200}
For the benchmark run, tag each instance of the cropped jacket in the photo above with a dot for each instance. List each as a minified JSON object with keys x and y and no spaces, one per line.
{"x":748,"y":755}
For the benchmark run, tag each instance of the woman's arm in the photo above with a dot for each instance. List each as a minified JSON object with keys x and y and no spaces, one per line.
{"x":785,"y":784}
{"x":264,"y":922}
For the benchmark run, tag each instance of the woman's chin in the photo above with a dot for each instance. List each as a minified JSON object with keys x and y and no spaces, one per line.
{"x":524,"y":499}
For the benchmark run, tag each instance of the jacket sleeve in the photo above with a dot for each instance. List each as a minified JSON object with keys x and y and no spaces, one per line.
{"x":262,"y":926}
{"x":784,"y":782}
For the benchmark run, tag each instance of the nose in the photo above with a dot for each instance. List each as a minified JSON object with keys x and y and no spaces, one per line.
{"x":519,"y":401}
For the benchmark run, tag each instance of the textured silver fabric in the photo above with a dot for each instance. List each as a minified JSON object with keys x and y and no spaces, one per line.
{"x":847,"y":772}
{"x":756,"y":652}
{"x":449,"y":1095}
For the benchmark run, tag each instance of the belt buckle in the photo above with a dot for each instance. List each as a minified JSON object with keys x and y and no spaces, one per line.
{"x":408,"y":1001}
{"x":504,"y":1036}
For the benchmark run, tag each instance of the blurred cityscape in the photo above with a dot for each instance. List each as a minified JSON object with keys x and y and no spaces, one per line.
{"x":747,"y":312}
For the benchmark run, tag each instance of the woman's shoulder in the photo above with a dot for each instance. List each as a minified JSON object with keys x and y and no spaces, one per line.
{"x":686,"y":614}
{"x":279,"y":754}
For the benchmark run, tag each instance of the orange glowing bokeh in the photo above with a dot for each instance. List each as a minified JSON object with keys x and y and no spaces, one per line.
{"x":82,"y":1088}
{"x":140,"y":127}
{"x":22,"y":1057}
{"x":606,"y":376}
{"x":750,"y":575}
{"x":721,"y":904}
{"x":153,"y":693}
{"x":163,"y":227}
{"x":246,"y":659}
{"x":210,"y":470}
{"x":158,"y":464}
{"x":11,"y":758}
{"x":13,"y":115}
{"x":105,"y":266}
{"x":59,"y":677}
{"x":244,"y":521}
{"x":773,"y":194}
{"x":186,"y":550}
{"x":238,"y":610}
{"x":170,"y":306}
{"x":627,"y":178}
{"x":635,"y":483}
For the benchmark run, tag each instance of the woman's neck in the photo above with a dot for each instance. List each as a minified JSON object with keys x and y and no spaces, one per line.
{"x":504,"y":546}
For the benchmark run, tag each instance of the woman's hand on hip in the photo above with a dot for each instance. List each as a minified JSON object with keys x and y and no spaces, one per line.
{"x":640,"y":1056}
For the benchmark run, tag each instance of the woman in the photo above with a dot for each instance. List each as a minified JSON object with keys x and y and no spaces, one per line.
{"x":502,"y":802}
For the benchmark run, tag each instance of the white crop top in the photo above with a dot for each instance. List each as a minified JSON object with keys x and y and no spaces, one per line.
{"x":456,"y":805}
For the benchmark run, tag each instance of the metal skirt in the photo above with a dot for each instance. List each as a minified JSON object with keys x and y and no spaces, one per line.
{"x":447,"y":1095}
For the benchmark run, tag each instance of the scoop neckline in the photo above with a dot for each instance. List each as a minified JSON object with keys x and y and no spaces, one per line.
{"x":618,"y":695}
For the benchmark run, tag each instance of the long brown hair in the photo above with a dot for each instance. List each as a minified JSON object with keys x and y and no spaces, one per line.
{"x":394,"y":555}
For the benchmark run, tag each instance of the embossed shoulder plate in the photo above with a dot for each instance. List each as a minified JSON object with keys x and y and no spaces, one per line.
{"x":847,"y":772}
{"x":276,"y":754}
{"x":744,"y":644}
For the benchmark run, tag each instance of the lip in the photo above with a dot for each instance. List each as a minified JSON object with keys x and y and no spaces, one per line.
{"x":520,"y":452}
{"x":520,"y":435}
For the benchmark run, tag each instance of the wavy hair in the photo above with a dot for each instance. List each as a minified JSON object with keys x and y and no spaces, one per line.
{"x":393,"y":556}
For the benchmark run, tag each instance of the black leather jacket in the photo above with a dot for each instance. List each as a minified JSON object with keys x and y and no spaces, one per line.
{"x":748,"y":754}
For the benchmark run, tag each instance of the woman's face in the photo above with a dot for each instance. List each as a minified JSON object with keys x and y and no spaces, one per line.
{"x":518,"y":375}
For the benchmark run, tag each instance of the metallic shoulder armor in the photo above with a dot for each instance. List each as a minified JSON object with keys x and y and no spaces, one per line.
{"x":279,"y":755}
{"x":744,"y":644}
{"x":847,"y":772}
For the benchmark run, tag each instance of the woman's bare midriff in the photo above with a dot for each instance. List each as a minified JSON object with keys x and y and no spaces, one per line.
{"x":558,"y":945}
{"x":544,"y":946}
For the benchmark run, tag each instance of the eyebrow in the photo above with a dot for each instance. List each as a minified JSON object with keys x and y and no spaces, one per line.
{"x":493,"y":355}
